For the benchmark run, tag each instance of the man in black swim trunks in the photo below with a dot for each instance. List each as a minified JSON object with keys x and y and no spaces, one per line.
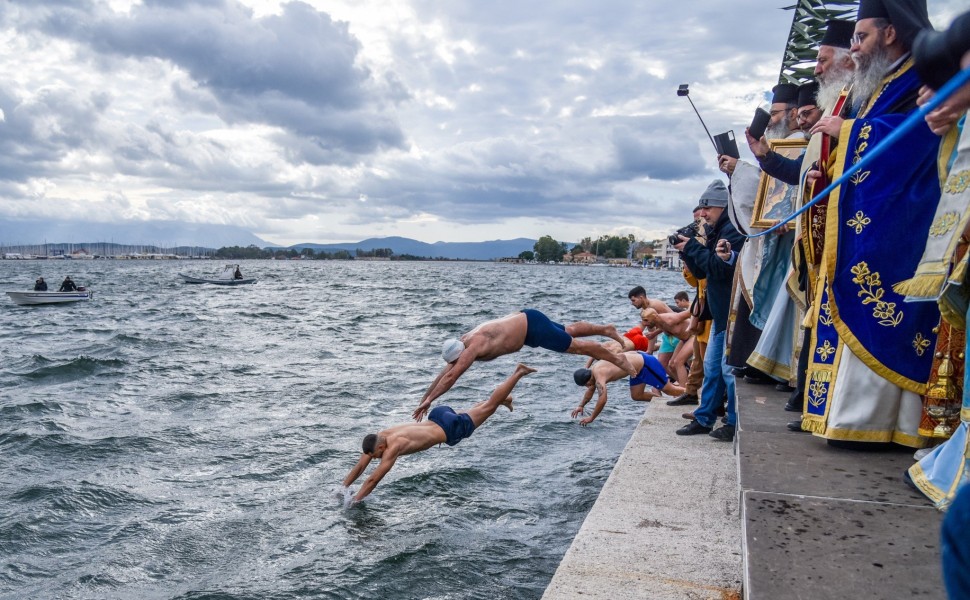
{"x":508,"y":334}
{"x":444,"y":426}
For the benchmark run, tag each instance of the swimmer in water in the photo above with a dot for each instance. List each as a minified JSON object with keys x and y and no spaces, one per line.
{"x":508,"y":334}
{"x":444,"y":426}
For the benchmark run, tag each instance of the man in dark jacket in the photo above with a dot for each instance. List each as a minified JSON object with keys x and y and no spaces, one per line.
{"x":714,"y":261}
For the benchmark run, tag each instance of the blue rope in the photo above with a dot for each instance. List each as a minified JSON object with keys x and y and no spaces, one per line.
{"x":912,"y":121}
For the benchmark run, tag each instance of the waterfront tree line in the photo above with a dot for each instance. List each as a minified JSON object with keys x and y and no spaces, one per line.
{"x":608,"y":246}
{"x":255,"y":252}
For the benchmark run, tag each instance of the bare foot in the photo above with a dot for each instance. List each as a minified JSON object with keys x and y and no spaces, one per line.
{"x":507,"y":403}
{"x":627,"y":366}
{"x":523,"y":369}
{"x":611,"y":332}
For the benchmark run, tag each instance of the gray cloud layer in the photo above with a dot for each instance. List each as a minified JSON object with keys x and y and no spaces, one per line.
{"x":426,"y":119}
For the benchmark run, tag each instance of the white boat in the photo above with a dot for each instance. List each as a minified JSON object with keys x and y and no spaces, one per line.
{"x":30,"y":298}
{"x":227,"y":277}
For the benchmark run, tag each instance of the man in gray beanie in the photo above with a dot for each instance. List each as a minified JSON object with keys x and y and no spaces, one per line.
{"x":714,"y":261}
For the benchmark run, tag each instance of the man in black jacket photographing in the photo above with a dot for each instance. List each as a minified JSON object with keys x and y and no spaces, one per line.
{"x":715,"y":260}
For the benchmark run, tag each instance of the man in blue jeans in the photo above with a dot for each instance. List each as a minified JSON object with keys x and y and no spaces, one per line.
{"x":714,"y":258}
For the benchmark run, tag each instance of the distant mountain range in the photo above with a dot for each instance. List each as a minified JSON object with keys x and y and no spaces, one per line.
{"x":172,"y":234}
{"x":454,"y":250}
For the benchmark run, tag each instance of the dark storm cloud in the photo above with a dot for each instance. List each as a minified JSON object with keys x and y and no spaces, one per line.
{"x":295,"y":70}
{"x":648,"y":149}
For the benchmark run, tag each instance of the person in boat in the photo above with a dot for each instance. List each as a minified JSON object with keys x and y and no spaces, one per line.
{"x":650,"y":374}
{"x":40,"y":285}
{"x":237,"y":274}
{"x":508,"y":334}
{"x":444,"y":426}
{"x":68,"y":285}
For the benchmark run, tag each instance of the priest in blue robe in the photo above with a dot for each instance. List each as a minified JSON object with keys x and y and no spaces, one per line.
{"x":871,"y":353}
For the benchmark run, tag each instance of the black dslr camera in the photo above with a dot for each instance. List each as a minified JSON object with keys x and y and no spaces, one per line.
{"x":692,"y":230}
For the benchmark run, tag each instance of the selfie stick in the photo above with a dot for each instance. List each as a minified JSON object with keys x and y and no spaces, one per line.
{"x":958,"y":81}
{"x":684,"y":91}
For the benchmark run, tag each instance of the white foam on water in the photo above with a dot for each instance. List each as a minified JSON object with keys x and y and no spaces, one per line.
{"x":346,"y":494}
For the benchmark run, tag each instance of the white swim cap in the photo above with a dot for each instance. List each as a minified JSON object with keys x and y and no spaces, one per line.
{"x":451,"y":350}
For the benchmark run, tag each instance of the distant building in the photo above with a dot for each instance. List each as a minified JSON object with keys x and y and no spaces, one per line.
{"x":668,"y":255}
{"x":584,"y":258}
{"x":643,"y":250}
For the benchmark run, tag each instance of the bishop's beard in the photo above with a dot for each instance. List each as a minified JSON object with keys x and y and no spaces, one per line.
{"x":830,"y":85}
{"x":869,"y":73}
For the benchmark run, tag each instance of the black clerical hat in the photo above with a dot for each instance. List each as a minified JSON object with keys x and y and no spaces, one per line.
{"x":784,"y":93}
{"x":838,"y":34}
{"x":908,"y":17}
{"x":806,"y":93}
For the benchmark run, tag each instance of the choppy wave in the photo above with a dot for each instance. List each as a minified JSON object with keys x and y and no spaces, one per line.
{"x":82,"y":366}
{"x":170,"y":441}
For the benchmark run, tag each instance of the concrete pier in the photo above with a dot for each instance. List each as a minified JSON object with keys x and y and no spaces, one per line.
{"x":776,"y":515}
{"x":823,"y":522}
{"x":666,"y":524}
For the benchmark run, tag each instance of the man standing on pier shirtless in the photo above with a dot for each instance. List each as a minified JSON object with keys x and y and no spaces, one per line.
{"x":444,"y":426}
{"x":508,"y":334}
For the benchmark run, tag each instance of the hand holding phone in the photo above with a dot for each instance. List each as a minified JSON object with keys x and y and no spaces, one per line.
{"x":725,"y":144}
{"x":759,"y":123}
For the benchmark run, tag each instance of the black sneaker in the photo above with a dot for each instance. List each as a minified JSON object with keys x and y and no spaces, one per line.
{"x":723,"y":434}
{"x":693,"y":428}
{"x":683,"y":400}
{"x":794,"y":403}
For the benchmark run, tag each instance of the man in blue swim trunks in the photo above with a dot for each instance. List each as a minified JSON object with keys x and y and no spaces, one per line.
{"x":508,"y":334}
{"x":650,"y":373}
{"x":444,"y":426}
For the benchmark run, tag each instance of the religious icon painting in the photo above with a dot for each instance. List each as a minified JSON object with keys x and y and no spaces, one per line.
{"x":776,"y":199}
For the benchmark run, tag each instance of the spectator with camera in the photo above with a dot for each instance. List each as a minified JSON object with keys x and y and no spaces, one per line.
{"x":699,"y":326}
{"x":714,"y":261}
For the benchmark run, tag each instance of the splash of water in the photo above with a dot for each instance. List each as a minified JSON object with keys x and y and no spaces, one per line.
{"x":346,"y":495}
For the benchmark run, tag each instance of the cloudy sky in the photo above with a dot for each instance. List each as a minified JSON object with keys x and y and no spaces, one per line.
{"x":335,"y":121}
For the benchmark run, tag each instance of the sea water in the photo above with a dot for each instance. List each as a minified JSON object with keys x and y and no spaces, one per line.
{"x":180,"y":441}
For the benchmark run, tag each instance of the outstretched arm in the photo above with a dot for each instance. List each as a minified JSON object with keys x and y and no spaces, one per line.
{"x":447,"y":378}
{"x":386,"y":463}
{"x":357,"y":470}
{"x":600,"y":403}
{"x":434,"y":383}
{"x":582,"y":404}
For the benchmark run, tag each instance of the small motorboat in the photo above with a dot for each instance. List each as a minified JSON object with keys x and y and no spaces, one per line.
{"x":32,"y":298}
{"x":231,"y":275}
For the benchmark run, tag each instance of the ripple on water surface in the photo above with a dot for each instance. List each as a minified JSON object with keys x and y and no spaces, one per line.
{"x":171,"y":441}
